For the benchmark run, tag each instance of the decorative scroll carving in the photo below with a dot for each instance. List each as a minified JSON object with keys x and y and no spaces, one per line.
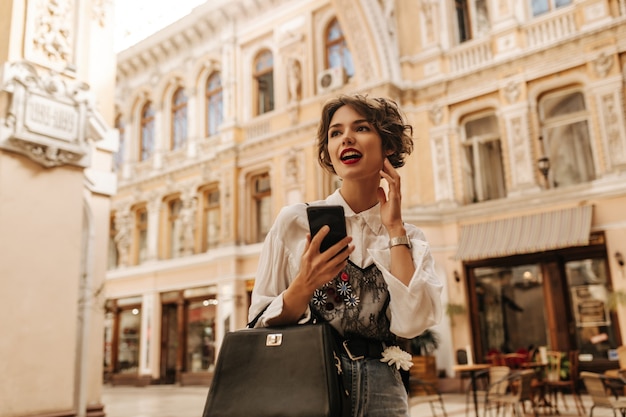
{"x":512,"y":92}
{"x":123,"y":228}
{"x":48,"y":119}
{"x":602,"y":64}
{"x":188,"y":224}
{"x":100,"y":10}
{"x":441,"y":162}
{"x":53,"y":34}
{"x":613,"y":129}
{"x":435,"y":114}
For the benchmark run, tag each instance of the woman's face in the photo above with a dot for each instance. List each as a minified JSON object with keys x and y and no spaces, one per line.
{"x":354,"y":146}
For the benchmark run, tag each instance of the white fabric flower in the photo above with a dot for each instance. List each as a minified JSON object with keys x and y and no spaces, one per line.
{"x":393,"y":355}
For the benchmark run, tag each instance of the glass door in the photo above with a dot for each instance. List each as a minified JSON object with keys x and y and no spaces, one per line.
{"x":511,"y":307}
{"x":589,"y":296}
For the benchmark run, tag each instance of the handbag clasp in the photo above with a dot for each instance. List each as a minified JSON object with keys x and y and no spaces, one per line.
{"x":274,"y":339}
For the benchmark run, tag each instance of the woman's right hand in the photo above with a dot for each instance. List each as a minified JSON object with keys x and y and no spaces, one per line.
{"x":316,"y":269}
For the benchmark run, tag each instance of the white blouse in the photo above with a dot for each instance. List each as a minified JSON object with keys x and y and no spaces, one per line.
{"x":411,"y":309}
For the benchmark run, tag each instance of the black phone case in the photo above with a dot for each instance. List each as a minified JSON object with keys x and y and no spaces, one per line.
{"x":334,"y":217}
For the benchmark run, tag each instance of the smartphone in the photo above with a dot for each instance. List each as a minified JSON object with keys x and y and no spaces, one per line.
{"x":334,"y":217}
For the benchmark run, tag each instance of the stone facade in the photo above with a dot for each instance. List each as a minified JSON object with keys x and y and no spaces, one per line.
{"x":56,"y":148}
{"x":487,"y":100}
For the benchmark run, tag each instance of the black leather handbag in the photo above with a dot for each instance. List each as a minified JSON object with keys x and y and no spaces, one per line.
{"x":292,"y":371}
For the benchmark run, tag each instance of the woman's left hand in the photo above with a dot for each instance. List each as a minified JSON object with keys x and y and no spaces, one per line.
{"x":390,"y":203}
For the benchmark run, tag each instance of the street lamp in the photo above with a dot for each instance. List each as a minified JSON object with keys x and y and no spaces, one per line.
{"x":543,"y":164}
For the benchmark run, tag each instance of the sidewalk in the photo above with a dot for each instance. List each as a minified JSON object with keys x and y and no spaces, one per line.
{"x":175,"y":401}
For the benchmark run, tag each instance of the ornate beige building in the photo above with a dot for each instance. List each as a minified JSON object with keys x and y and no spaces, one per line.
{"x":56,"y":148}
{"x":517,"y":179}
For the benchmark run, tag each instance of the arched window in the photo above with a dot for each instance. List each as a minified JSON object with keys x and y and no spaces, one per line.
{"x":214,"y":104}
{"x":483,"y":169}
{"x":147,"y":132}
{"x":118,"y":157}
{"x":179,"y":119}
{"x":264,"y":78}
{"x":566,"y":138}
{"x":337,"y":52}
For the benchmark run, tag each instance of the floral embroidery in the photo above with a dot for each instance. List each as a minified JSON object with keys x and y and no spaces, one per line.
{"x":344,"y":288}
{"x":352,"y":300}
{"x":362,"y":309}
{"x":319,"y":298}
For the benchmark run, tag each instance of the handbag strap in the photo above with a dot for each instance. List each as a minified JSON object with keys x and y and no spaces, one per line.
{"x":258,"y":316}
{"x":315,"y":318}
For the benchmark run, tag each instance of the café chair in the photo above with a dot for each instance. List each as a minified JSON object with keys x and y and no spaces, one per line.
{"x":554,"y":383}
{"x":498,"y":386}
{"x":429,"y":394}
{"x":597,"y":388}
{"x":516,"y":398}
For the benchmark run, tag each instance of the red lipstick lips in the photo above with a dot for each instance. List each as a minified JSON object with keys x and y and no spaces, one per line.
{"x":350,"y":156}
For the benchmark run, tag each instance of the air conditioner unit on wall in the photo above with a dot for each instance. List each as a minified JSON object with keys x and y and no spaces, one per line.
{"x":331,"y":79}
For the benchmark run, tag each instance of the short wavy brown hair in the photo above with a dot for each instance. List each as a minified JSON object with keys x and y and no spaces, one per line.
{"x":382,"y":113}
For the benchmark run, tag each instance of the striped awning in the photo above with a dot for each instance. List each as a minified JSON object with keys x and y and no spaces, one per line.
{"x":525,"y":234}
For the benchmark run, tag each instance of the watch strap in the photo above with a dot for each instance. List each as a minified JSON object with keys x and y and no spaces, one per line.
{"x":400,"y":240}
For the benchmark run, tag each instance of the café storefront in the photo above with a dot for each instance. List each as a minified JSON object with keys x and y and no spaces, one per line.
{"x":540,"y":280}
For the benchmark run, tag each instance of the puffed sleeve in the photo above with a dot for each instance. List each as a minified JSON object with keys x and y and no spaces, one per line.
{"x":415,"y":307}
{"x":278,"y":264}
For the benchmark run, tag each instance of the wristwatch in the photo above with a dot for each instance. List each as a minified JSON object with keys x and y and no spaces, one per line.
{"x":400,"y":240}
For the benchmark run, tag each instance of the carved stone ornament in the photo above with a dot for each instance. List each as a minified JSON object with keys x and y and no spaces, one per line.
{"x":602,"y":64}
{"x":48,"y":119}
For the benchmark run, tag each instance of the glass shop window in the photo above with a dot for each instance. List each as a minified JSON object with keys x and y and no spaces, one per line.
{"x":511,"y":308}
{"x":128,"y":345}
{"x":590,"y":299}
{"x":201,"y":335}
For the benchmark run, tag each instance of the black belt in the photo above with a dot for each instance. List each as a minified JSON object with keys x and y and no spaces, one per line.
{"x":360,"y":348}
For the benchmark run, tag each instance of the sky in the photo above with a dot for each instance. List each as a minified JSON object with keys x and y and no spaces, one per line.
{"x":135,"y":20}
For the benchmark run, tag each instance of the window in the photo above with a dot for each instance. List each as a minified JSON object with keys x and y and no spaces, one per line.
{"x":118,"y":157}
{"x":179,"y":119}
{"x":462,"y":20}
{"x":175,"y":226}
{"x":214,"y":104}
{"x":261,"y":196}
{"x":147,"y":132}
{"x":483,"y":171}
{"x":113,"y":253}
{"x":337,"y":52}
{"x":141,"y":234}
{"x":540,"y":7}
{"x":566,"y":138}
{"x":472,"y":18}
{"x":212,"y":219}
{"x":264,"y":77}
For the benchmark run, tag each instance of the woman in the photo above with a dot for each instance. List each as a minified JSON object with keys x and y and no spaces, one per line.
{"x":376,"y":284}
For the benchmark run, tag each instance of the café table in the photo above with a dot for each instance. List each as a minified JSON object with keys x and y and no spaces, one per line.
{"x":473,"y":369}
